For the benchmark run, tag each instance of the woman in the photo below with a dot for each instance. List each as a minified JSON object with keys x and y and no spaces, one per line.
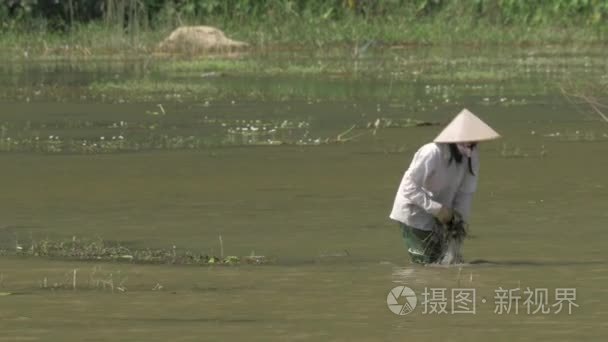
{"x":440,"y":184}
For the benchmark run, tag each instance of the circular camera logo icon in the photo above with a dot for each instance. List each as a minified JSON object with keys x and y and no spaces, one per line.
{"x":401,"y":300}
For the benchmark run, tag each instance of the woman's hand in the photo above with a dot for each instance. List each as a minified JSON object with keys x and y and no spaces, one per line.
{"x":445,"y":215}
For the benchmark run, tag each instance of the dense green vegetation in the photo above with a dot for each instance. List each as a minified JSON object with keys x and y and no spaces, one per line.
{"x":96,"y":26}
{"x":153,"y":12}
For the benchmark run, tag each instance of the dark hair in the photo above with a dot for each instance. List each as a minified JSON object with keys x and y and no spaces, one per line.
{"x":456,"y":156}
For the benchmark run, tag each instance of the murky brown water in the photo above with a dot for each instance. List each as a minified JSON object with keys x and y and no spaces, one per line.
{"x":321,"y":211}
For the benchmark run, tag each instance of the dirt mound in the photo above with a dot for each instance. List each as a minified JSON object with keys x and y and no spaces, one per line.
{"x":198,"y":39}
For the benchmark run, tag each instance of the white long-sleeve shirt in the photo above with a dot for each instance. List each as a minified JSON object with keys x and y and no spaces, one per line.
{"x":431,"y":182}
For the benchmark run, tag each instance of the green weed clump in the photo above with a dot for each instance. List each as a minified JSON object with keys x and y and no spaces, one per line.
{"x":100,"y":250}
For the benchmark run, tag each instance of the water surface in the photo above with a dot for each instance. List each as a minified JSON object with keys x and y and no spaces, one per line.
{"x":319,"y":210}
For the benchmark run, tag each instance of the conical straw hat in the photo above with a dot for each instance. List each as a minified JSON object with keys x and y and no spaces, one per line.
{"x":466,"y":127}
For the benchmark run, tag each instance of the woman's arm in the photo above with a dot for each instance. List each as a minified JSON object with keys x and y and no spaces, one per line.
{"x":422,"y":167}
{"x":464,"y":195}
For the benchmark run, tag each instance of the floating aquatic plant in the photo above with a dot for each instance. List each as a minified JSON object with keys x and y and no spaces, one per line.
{"x":397,"y":123}
{"x":162,"y":134}
{"x":517,"y":152}
{"x":100,"y":250}
{"x":578,"y":135}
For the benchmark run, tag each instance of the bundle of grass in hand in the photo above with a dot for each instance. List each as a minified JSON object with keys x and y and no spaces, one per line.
{"x":452,"y":239}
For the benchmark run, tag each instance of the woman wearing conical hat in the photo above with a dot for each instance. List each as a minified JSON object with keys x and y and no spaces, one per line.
{"x":439,"y":184}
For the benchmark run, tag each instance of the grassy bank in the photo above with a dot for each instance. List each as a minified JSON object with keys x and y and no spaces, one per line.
{"x":314,"y":25}
{"x":96,"y":40}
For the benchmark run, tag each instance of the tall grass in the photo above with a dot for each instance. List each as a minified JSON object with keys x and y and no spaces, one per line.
{"x":110,"y":26}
